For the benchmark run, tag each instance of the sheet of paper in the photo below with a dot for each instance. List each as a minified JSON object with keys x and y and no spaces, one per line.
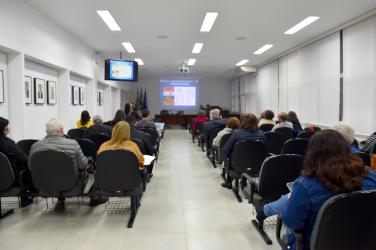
{"x":148,"y":159}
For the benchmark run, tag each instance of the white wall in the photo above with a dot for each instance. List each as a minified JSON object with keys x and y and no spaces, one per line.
{"x":3,"y":66}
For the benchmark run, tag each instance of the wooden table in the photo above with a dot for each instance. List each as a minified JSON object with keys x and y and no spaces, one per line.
{"x":182,"y":120}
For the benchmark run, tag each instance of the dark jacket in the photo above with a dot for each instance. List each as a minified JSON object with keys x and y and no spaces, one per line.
{"x":209,"y":125}
{"x":138,"y":134}
{"x":97,"y":129}
{"x":241,"y":135}
{"x":128,"y":107}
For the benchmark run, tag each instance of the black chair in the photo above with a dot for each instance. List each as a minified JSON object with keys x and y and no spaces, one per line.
{"x":210,"y":152}
{"x":275,"y":142}
{"x":140,"y":145}
{"x":305,"y":134}
{"x":77,"y":133}
{"x":344,"y":221}
{"x":25,"y":145}
{"x":7,"y":180}
{"x":266,"y":127}
{"x":88,"y":148}
{"x":247,"y":157}
{"x":54,"y":175}
{"x":222,"y":143}
{"x":366,"y":158}
{"x":153,"y":134}
{"x":295,"y":146}
{"x":201,"y":139}
{"x":99,"y":139}
{"x":118,"y":175}
{"x":286,"y":132}
{"x":276,"y":172}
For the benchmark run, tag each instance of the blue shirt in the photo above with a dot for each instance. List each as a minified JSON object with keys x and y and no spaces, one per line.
{"x":307,"y":196}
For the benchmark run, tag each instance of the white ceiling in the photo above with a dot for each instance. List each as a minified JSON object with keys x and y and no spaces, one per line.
{"x":260,"y":21}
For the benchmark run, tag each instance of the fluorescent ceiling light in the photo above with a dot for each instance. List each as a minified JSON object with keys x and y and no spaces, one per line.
{"x":242,"y":62}
{"x":302,"y":24}
{"x":191,"y":62}
{"x":263,"y":49}
{"x":139,"y":61}
{"x":109,"y":20}
{"x":208,"y":22}
{"x":128,"y":46}
{"x":197,"y":48}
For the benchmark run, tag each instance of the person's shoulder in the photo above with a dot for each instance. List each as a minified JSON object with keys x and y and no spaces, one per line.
{"x":370,"y":178}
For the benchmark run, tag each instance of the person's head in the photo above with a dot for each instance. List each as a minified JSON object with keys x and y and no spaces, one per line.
{"x":345,"y":130}
{"x":292,"y":117}
{"x":119,"y":116}
{"x":97,"y":119}
{"x":262,"y":115}
{"x":131,"y":120}
{"x":4,"y":127}
{"x":85,"y":117}
{"x":120,"y":134}
{"x":145,"y":114}
{"x":268,"y":115}
{"x":329,"y":159}
{"x":214,"y":114}
{"x":233,"y":123}
{"x":201,"y":113}
{"x":249,"y":122}
{"x":131,"y":99}
{"x":282,"y":116}
{"x":135,"y":115}
{"x":54,"y":127}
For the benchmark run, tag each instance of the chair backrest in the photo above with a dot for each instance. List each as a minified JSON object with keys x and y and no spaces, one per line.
{"x":248,"y":156}
{"x":99,"y":139}
{"x":117,"y":170}
{"x":266,"y":127}
{"x":346,"y":222}
{"x":153,"y":134}
{"x":25,"y":145}
{"x":296,"y":146}
{"x":366,"y":158}
{"x":53,"y":172}
{"x":223,"y":141}
{"x":305,"y":134}
{"x":275,"y":142}
{"x":140,"y":145}
{"x":200,"y":127}
{"x":77,"y":133}
{"x":6,"y":173}
{"x":213,"y":133}
{"x":287,"y":132}
{"x":275,"y":172}
{"x":87,"y":147}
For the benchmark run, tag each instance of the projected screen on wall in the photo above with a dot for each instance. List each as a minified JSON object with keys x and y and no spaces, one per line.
{"x":179,"y":94}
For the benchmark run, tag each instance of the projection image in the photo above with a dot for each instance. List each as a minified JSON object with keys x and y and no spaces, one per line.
{"x":179,"y":94}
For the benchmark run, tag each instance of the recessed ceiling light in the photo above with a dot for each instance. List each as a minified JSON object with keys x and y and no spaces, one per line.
{"x":208,"y":22}
{"x":239,"y":38}
{"x":302,"y":25}
{"x":128,"y":46}
{"x":139,"y":61}
{"x":161,"y":37}
{"x":263,"y":49}
{"x":197,"y":48}
{"x":191,"y":62}
{"x":109,"y":20}
{"x":242,"y":62}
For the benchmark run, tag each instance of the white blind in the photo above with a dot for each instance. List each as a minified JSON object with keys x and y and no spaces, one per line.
{"x":267,"y":87}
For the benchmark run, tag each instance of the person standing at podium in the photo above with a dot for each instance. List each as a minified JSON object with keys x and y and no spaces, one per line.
{"x":129,"y":106}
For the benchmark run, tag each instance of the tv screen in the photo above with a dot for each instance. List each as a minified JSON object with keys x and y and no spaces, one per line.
{"x":121,"y":70}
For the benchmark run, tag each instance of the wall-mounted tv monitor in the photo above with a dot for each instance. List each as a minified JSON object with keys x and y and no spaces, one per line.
{"x":121,"y":70}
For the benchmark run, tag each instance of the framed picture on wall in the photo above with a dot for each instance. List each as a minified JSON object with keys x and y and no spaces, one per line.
{"x":75,"y":95}
{"x":82,"y":96}
{"x":1,"y":86}
{"x":100,"y":97}
{"x":39,"y":91}
{"x":28,"y":89}
{"x":51,"y":92}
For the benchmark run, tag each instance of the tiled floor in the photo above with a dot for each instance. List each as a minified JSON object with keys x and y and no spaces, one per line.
{"x":184,"y":207}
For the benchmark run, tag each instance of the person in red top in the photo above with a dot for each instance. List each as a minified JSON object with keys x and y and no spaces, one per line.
{"x":201,"y":117}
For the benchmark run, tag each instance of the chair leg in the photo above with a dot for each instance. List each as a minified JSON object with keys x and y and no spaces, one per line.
{"x":235,"y":190}
{"x":134,"y":209}
{"x":260,"y":229}
{"x":4,"y":213}
{"x":223,"y":174}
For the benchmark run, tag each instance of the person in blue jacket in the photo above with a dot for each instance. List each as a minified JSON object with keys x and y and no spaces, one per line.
{"x":329,"y":169}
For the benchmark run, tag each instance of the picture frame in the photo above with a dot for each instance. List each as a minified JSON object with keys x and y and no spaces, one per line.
{"x":75,"y":95}
{"x":39,"y":91}
{"x":51,"y":92}
{"x":100,"y":97}
{"x":1,"y":86}
{"x":82,"y":96}
{"x":28,"y":87}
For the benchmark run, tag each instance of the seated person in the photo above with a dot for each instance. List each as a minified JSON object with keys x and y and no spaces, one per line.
{"x":138,"y":134}
{"x":201,"y":117}
{"x":233,"y":123}
{"x":84,"y":122}
{"x":369,"y":145}
{"x":216,"y":121}
{"x":248,"y":131}
{"x":266,"y":118}
{"x":55,"y":140}
{"x":282,"y":122}
{"x":98,"y":128}
{"x":119,"y":116}
{"x":146,"y":121}
{"x":348,"y":133}
{"x":329,"y":169}
{"x":18,"y":161}
{"x":293,"y":118}
{"x":121,"y":140}
{"x":135,"y":114}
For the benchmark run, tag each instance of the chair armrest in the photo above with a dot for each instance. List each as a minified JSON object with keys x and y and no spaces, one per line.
{"x":252,"y":186}
{"x":270,"y":154}
{"x":299,"y":236}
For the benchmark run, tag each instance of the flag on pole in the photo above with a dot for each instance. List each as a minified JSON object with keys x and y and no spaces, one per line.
{"x":145,"y":101}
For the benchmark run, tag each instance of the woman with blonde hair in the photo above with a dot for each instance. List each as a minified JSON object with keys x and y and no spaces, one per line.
{"x":121,"y":140}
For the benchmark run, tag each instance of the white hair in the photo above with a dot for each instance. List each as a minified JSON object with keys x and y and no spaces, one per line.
{"x":214,"y":114}
{"x":97,"y":119}
{"x":345,"y":130}
{"x":54,"y":126}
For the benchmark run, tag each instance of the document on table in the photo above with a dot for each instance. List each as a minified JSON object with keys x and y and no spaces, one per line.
{"x":148,"y":159}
